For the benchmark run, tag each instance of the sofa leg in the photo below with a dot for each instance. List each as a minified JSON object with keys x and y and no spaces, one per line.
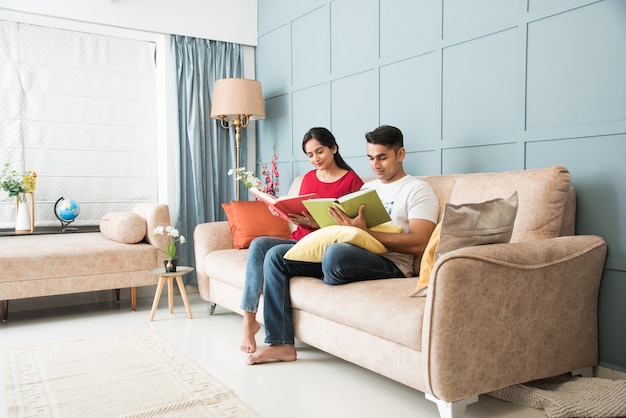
{"x":212,"y":308}
{"x":133,"y":299}
{"x":5,"y":310}
{"x":117,"y":295}
{"x":584,"y":372}
{"x":451,"y":409}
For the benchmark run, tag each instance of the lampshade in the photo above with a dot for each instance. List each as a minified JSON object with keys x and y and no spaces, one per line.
{"x":237,"y":96}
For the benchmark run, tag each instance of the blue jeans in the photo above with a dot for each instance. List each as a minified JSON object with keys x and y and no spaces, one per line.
{"x":342,"y":263}
{"x":253,"y":285}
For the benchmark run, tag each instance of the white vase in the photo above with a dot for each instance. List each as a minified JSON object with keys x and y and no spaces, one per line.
{"x":22,"y":219}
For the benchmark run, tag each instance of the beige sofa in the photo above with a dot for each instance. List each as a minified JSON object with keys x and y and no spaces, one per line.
{"x":44,"y":265}
{"x":494,"y":316}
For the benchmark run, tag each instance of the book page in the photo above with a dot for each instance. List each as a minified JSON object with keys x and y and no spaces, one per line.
{"x":284,"y":205}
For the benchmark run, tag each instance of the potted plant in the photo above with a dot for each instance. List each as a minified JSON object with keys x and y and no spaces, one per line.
{"x":173,"y":237}
{"x":18,"y":185}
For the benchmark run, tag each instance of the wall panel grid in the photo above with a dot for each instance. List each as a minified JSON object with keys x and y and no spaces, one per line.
{"x":77,"y":106}
{"x":449,"y":74}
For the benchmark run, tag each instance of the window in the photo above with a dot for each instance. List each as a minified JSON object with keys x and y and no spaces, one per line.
{"x":80,"y":110}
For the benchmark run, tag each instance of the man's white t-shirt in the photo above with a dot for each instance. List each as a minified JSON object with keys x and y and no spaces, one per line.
{"x":404,"y":199}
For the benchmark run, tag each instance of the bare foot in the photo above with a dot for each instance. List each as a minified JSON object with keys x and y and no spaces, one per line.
{"x":285,"y":352}
{"x":250,"y":327}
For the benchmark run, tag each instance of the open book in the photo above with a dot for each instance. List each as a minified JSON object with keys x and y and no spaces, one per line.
{"x":283,"y":205}
{"x":375,"y":212}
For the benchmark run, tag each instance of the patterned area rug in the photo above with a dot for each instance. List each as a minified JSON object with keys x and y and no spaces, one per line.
{"x":570,"y":396}
{"x":134,"y":374}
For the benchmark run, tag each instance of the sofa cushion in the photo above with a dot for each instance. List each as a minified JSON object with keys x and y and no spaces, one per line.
{"x":227,"y":266}
{"x":77,"y":256}
{"x":312,"y":247}
{"x":248,"y":220}
{"x":466,"y":225}
{"x":378,"y":307}
{"x":124,"y":227}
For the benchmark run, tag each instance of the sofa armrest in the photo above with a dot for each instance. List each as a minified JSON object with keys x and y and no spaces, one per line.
{"x":208,"y":237}
{"x":155,"y":214}
{"x":502,"y":314}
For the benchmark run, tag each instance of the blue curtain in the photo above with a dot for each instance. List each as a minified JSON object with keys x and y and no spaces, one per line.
{"x":207,"y":151}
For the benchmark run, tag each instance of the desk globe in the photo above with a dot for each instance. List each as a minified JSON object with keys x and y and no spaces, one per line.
{"x":66,"y":211}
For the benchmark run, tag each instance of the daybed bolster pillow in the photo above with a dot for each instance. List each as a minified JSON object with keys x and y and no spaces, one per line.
{"x":124,"y":227}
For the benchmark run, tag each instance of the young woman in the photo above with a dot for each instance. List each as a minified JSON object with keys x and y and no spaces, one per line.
{"x":331,"y":177}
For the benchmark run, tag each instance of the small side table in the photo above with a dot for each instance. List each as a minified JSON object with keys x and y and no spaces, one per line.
{"x":163,"y":276}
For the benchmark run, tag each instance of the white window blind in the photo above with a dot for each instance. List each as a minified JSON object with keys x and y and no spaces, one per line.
{"x":80,"y":110}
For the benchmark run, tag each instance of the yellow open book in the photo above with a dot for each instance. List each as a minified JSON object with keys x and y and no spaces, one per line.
{"x":375,"y":212}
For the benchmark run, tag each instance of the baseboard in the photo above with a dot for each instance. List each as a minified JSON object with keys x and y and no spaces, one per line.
{"x":84,"y":298}
{"x":606,"y":373}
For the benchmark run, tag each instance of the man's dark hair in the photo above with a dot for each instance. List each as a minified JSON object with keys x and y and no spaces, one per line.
{"x":386,"y":135}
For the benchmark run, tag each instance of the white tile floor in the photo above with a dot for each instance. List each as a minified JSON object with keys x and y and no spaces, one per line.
{"x":316,"y":385}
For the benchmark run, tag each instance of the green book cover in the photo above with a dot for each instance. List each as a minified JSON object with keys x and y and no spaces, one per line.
{"x":375,"y":212}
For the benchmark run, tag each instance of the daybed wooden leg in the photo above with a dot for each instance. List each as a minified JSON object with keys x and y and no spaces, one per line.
{"x":452,"y":409}
{"x":584,"y":372}
{"x":5,"y":310}
{"x":212,"y":308}
{"x":117,"y":295}
{"x":133,"y":299}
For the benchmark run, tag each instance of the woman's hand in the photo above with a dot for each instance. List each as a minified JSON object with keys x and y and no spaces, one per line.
{"x":272,"y":211}
{"x":303,"y":218}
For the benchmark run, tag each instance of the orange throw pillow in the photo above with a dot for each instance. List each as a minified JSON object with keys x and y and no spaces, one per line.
{"x":248,"y":220}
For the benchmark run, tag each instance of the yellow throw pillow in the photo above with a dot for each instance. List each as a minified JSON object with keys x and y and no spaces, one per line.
{"x":312,"y":247}
{"x":427,"y":263}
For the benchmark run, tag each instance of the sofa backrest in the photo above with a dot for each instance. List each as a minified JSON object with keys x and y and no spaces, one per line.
{"x":546,"y":205}
{"x":547,"y":201}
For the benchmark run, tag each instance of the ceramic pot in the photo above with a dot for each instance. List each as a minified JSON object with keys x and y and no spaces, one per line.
{"x":22,"y":216}
{"x":170,"y":265}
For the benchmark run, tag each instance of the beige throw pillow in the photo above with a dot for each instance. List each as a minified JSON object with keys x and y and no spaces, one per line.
{"x":124,"y":227}
{"x":466,"y":225}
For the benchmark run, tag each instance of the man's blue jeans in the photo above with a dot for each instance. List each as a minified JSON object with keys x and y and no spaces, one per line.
{"x":342,"y":263}
{"x":253,"y":284}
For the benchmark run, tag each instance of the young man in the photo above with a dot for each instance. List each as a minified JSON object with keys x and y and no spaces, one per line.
{"x":411,"y":204}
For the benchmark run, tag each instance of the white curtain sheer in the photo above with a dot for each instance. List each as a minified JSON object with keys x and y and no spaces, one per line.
{"x":80,"y":110}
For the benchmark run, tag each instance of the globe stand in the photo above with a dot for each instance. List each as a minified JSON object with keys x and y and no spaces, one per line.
{"x":64,"y":223}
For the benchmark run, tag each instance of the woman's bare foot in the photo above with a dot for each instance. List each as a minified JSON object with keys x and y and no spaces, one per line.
{"x":250,"y":327}
{"x":285,"y":352}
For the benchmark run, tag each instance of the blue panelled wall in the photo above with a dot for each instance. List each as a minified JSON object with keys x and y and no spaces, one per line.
{"x":476,"y":86}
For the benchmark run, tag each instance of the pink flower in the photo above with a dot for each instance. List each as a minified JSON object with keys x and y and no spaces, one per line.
{"x":271,"y":176}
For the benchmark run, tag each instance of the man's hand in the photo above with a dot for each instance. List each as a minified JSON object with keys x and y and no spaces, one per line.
{"x":342,"y":219}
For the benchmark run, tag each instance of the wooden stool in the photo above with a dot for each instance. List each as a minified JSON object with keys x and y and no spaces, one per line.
{"x":170,"y":276}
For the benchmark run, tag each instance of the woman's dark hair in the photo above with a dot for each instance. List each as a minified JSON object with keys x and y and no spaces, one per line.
{"x":327,"y":139}
{"x":386,"y":135}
